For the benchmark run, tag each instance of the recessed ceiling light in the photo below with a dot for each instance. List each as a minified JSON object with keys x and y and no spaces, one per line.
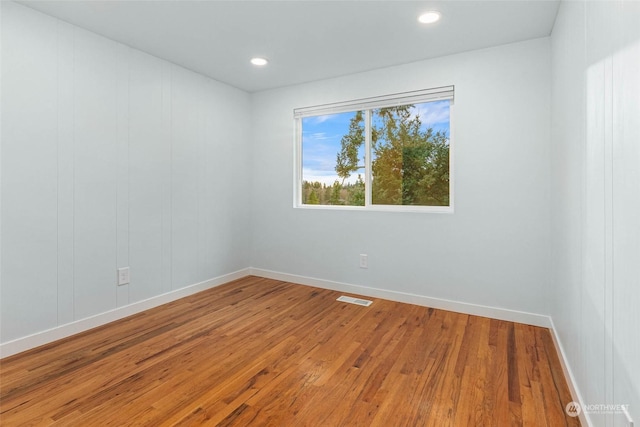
{"x":259,"y":61}
{"x":429,"y":17}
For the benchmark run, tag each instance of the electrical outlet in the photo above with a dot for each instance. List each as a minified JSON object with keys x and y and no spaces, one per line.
{"x":123,"y":276}
{"x":364,"y":262}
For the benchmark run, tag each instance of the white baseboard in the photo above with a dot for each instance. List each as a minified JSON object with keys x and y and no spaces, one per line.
{"x":66,"y":330}
{"x":460,"y":307}
{"x":444,"y":304}
{"x":63,"y":331}
{"x":31,"y":341}
{"x":568,"y":374}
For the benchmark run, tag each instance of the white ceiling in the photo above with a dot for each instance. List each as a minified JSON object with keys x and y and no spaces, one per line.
{"x":304,"y":40}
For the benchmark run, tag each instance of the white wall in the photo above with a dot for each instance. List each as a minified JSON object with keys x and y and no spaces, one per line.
{"x":111,"y":157}
{"x":596,"y":200}
{"x":494,"y":250}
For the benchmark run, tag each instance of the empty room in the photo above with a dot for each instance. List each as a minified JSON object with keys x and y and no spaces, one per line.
{"x":320,"y":213}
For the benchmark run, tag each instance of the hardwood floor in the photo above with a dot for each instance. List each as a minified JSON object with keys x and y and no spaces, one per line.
{"x":262,"y":352}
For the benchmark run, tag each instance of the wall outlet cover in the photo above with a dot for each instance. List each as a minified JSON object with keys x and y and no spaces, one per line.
{"x":123,"y":276}
{"x":364,"y":261}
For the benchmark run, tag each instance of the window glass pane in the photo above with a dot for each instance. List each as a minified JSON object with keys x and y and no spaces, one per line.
{"x":333,"y":159}
{"x":410,"y":154}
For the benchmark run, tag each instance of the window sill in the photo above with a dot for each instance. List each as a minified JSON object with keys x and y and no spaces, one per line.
{"x":381,"y":208}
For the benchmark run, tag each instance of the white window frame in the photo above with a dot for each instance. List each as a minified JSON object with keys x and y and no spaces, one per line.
{"x":366,"y":105}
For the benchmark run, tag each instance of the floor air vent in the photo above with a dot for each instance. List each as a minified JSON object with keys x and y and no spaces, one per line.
{"x":357,"y":301}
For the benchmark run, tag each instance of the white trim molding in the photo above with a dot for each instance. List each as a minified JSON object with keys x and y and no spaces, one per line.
{"x":392,"y":100}
{"x":443,"y":304}
{"x":72,"y":328}
{"x":45,"y":337}
{"x":568,"y":374}
{"x":366,"y":106}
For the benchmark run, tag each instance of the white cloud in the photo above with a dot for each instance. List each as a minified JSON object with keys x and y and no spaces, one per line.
{"x":322,"y":119}
{"x":319,"y":136}
{"x":432,"y":113}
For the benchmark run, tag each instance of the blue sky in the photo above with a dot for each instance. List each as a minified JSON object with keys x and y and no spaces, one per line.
{"x":321,"y":137}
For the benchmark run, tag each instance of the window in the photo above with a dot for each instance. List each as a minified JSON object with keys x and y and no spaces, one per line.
{"x":383,"y":153}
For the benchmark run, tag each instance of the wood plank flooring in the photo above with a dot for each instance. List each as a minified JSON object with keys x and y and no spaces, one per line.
{"x":263,"y":352}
